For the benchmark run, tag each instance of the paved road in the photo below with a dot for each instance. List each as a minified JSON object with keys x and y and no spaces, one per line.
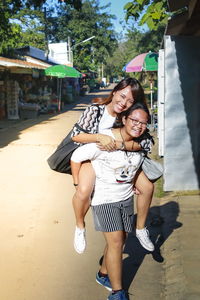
{"x":37,"y":259}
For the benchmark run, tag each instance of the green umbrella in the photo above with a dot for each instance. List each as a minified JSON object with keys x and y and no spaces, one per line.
{"x":143,"y":62}
{"x":147,"y":62}
{"x":62,"y":71}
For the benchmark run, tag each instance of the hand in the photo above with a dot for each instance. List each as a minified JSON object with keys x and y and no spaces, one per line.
{"x":136,"y":191}
{"x":106,"y":142}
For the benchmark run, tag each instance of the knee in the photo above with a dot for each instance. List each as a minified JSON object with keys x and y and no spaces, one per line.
{"x":83,"y":192}
{"x":116,"y":244}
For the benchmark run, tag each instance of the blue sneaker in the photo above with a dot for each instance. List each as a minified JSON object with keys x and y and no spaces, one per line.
{"x":105,"y":281}
{"x":118,"y":296}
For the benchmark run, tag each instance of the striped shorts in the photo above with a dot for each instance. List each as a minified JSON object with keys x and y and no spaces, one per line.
{"x":115,"y":216}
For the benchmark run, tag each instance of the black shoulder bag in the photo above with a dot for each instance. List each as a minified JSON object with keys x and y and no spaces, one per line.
{"x":59,"y":161}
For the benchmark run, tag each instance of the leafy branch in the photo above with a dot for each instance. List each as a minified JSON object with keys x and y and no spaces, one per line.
{"x":152,"y":13}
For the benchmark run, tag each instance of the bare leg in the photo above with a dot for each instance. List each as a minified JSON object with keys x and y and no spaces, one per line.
{"x":112,"y":262}
{"x":81,"y":199}
{"x":144,"y":198}
{"x":103,"y":268}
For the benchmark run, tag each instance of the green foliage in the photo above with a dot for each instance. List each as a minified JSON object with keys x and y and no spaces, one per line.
{"x":91,"y":20}
{"x":22,"y":22}
{"x":151,"y":40}
{"x":77,"y":4}
{"x":9,"y":38}
{"x":32,"y":24}
{"x":116,"y":62}
{"x":159,"y":192}
{"x":152,"y":13}
{"x":136,"y":42}
{"x":35,"y":22}
{"x":8,"y":32}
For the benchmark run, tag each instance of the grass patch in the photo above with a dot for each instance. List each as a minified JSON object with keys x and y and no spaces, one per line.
{"x":186,"y":193}
{"x":159,"y":193}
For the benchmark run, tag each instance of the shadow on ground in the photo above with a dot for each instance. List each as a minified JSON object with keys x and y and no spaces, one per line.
{"x":10,"y":129}
{"x":161,"y":223}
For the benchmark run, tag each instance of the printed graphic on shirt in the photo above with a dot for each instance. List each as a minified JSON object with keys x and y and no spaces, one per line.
{"x":119,"y":166}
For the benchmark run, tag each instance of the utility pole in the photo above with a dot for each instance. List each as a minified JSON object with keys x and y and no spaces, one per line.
{"x":45,"y":33}
{"x":102,"y":70}
{"x":69,"y":50}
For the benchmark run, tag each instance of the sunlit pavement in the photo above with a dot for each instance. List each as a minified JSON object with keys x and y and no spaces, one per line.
{"x":37,"y":258}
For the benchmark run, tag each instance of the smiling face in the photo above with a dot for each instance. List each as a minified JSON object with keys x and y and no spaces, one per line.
{"x":122,"y":100}
{"x":135,"y":124}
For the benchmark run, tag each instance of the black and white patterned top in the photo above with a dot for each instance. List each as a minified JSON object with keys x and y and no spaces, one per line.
{"x":89,"y":123}
{"x":89,"y":120}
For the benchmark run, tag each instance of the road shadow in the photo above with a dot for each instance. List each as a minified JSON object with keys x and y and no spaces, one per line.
{"x":11,"y":129}
{"x":162,"y":221}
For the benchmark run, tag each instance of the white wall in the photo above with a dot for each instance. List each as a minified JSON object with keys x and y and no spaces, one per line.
{"x":161,"y":102}
{"x":182,"y":113}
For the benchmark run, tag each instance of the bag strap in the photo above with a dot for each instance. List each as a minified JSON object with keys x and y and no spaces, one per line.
{"x":99,"y":110}
{"x":80,"y":128}
{"x":98,"y":114}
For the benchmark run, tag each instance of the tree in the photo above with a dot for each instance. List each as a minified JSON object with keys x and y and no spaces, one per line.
{"x":91,"y":20}
{"x":37,"y":22}
{"x":125,"y":51}
{"x":14,"y":33}
{"x":153,"y":13}
{"x":135,"y":42}
{"x":140,"y":42}
{"x":8,"y":32}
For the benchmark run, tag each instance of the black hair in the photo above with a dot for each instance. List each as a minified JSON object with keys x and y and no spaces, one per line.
{"x":126,"y":113}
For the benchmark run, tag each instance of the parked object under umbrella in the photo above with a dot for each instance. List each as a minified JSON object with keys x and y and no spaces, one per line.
{"x":145,"y":62}
{"x":61,"y":71}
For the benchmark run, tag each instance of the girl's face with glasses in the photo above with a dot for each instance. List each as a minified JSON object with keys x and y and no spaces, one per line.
{"x":136,"y":123}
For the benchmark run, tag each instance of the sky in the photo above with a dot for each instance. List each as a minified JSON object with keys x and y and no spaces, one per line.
{"x":117,"y":10}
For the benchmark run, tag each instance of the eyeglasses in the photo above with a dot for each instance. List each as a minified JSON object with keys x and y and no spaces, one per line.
{"x":136,"y":122}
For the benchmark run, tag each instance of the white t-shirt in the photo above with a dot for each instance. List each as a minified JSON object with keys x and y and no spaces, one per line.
{"x":114,"y":171}
{"x":106,"y":121}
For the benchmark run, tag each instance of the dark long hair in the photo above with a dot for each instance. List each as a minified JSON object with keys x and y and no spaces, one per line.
{"x":136,"y":88}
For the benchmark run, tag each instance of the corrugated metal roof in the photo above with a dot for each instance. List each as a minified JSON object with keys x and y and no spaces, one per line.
{"x":37,"y":61}
{"x":10,"y":63}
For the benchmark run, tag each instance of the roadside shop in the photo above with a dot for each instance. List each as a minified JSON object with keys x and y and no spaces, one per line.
{"x":23,"y":88}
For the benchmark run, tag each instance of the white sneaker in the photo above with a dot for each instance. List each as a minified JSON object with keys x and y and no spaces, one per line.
{"x":79,"y":240}
{"x":143,"y":237}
